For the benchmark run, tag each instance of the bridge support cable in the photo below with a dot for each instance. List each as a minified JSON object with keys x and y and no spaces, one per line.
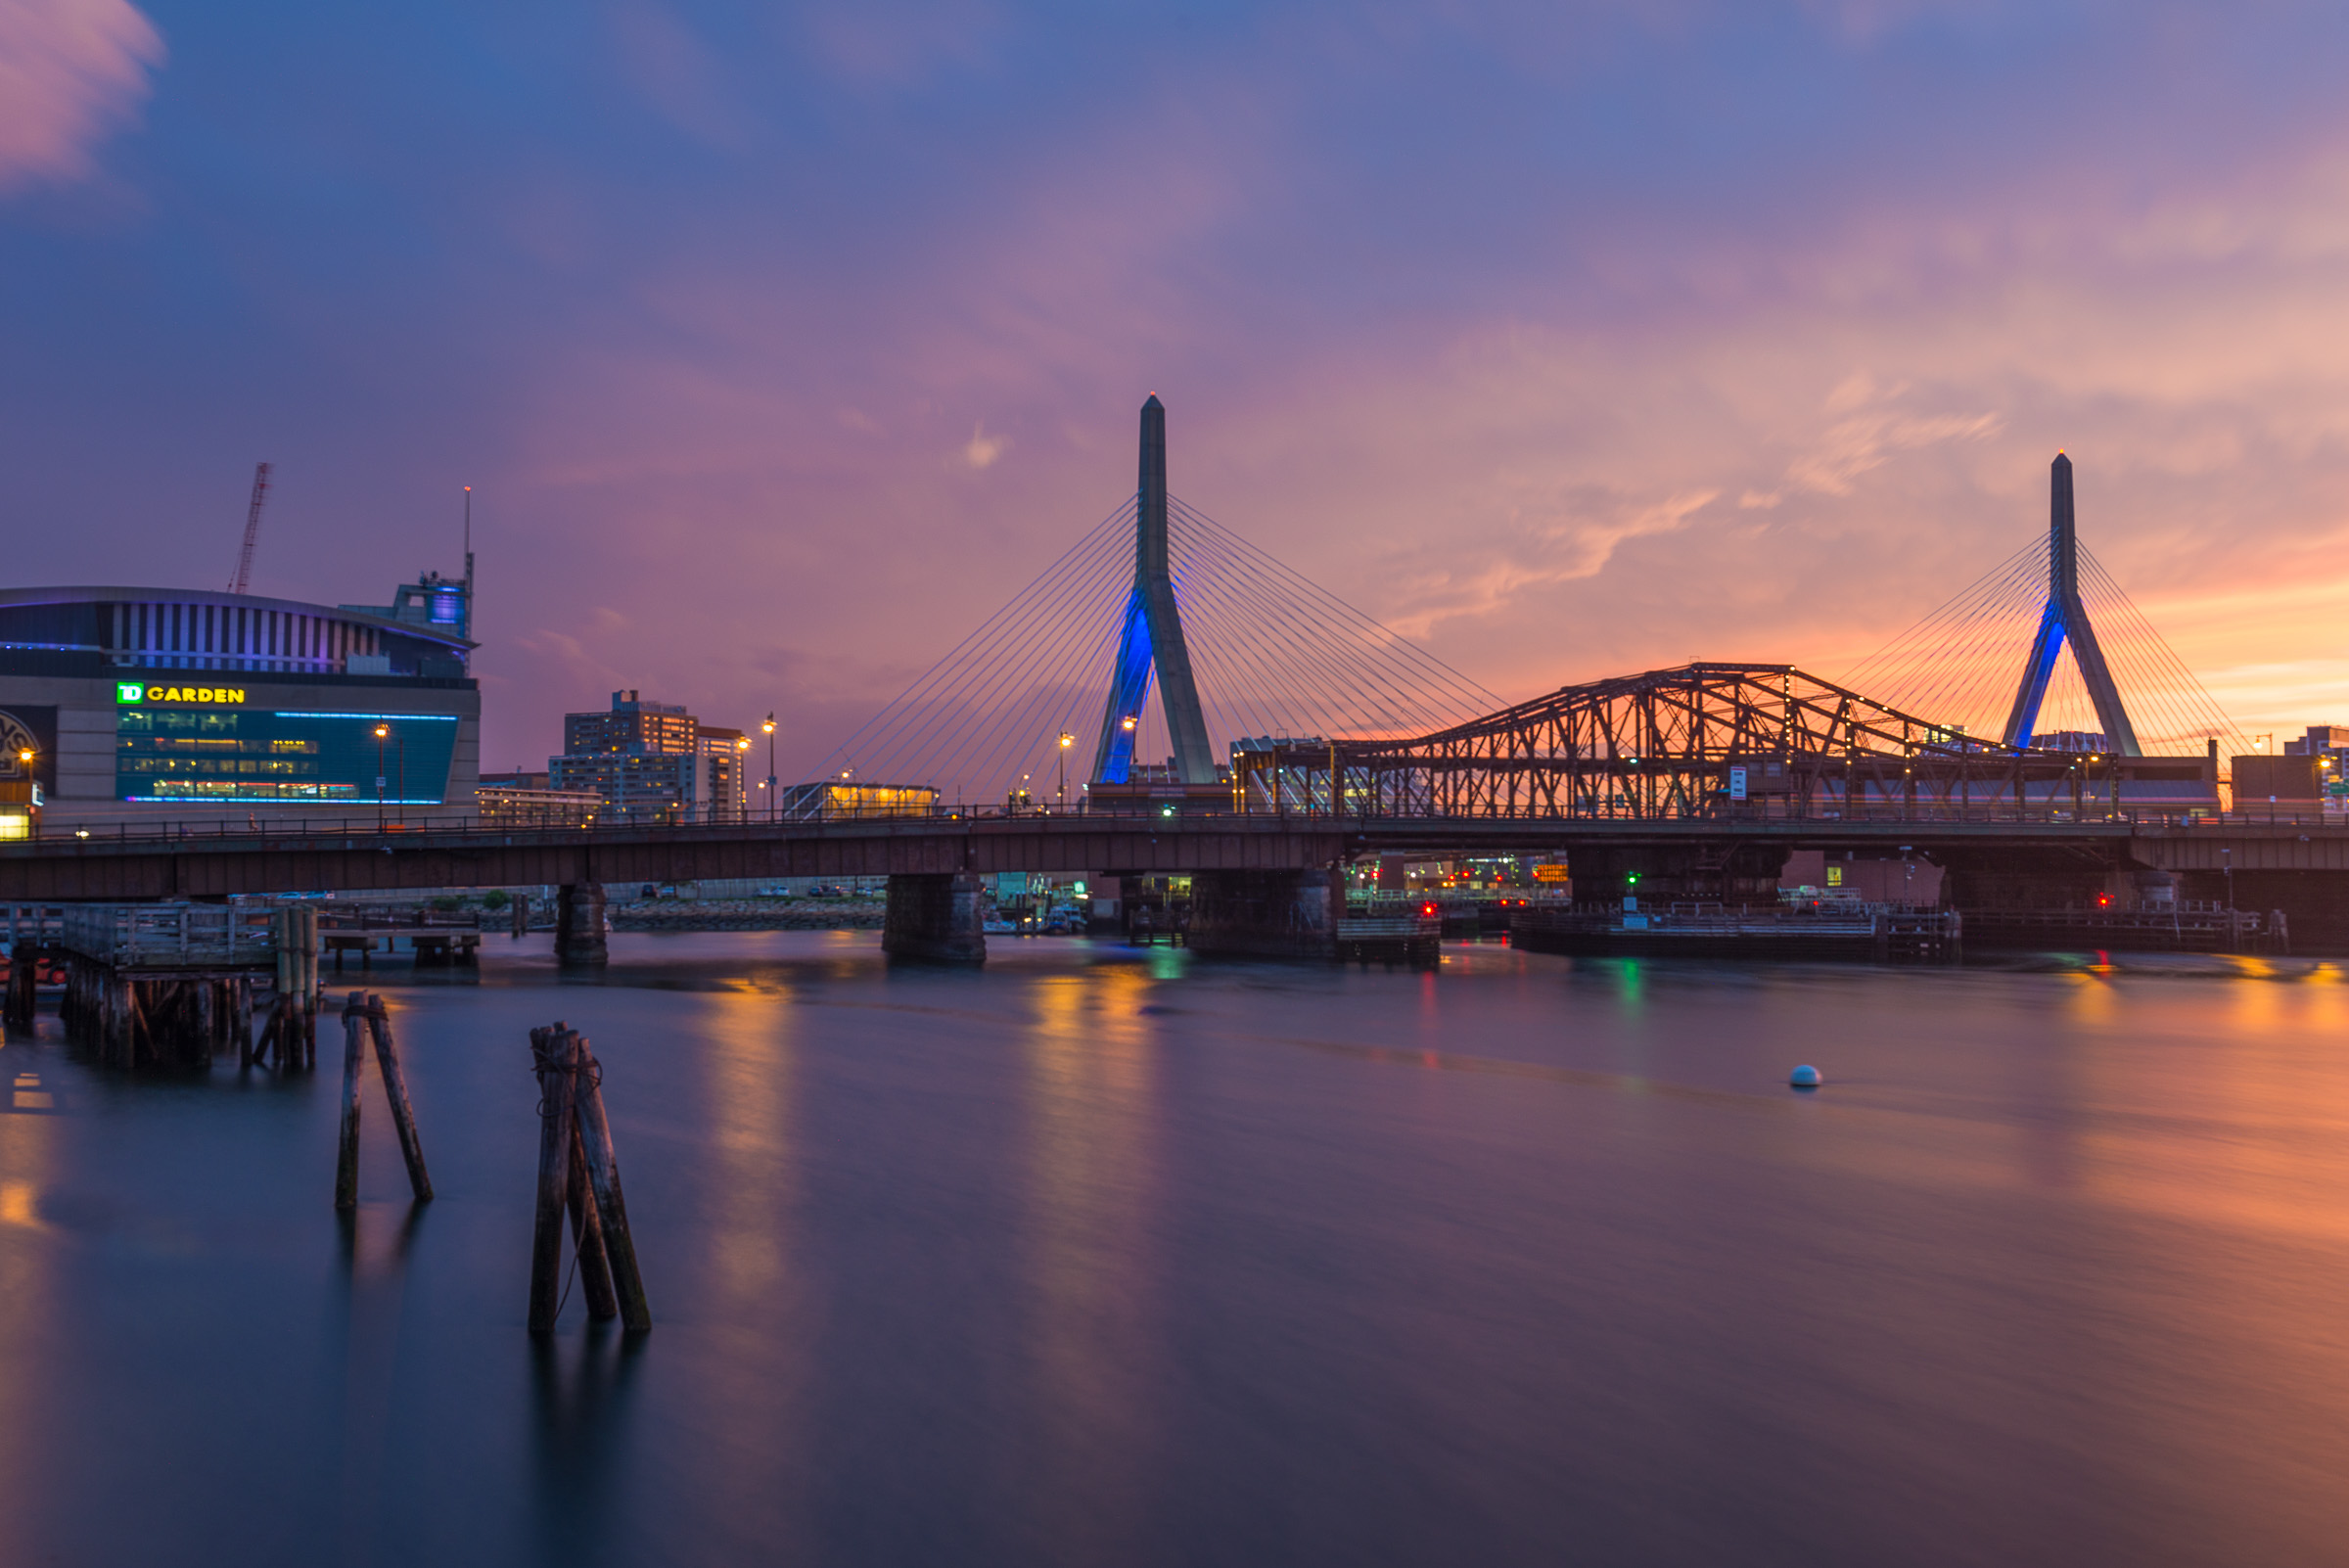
{"x":1311,"y":665}
{"x":1030,"y":695}
{"x":2188,"y":708}
{"x":1959,"y":658}
{"x":939,"y":709}
{"x":1433,"y":687}
{"x":955,"y":715}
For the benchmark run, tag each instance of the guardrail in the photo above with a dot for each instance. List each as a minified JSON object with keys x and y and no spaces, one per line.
{"x":294,"y":829}
{"x":165,"y":935}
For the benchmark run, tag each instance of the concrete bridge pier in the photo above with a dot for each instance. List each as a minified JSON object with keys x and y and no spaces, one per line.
{"x":1266,"y":914}
{"x":580,"y":926}
{"x":936,"y":918}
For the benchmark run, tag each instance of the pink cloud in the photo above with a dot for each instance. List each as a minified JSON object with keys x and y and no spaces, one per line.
{"x":71,"y":71}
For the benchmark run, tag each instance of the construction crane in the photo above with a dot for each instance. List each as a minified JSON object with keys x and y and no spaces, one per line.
{"x":253,"y":528}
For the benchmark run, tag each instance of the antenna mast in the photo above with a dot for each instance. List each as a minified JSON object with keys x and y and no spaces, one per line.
{"x":252,"y":528}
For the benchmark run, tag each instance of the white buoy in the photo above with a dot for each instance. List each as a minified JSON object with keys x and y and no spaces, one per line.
{"x":1805,"y":1076}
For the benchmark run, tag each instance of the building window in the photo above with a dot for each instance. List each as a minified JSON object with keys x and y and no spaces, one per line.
{"x":169,"y":754}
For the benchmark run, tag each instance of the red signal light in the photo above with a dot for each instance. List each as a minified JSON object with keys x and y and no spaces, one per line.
{"x":1427,"y":909}
{"x":2103,"y":901}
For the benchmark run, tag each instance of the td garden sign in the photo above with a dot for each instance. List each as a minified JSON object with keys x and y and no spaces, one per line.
{"x":130,"y":693}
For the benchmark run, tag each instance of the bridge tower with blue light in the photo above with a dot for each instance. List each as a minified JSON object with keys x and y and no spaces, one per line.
{"x":2067,"y":616}
{"x":1151,"y":641}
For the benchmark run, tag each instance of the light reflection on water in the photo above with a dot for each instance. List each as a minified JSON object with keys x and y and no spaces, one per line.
{"x":1101,"y":1257}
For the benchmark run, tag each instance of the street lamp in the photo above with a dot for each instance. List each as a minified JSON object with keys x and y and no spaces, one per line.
{"x":1060,"y":793}
{"x":769,"y":727}
{"x":383,"y":733}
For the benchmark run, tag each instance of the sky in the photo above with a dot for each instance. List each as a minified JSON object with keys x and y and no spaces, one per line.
{"x":781,"y":344}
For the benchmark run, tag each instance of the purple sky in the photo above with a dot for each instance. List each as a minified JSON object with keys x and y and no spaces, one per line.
{"x":783,"y":344}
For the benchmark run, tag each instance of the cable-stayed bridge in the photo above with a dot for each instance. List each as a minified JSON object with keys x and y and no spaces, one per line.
{"x":1052,"y":697}
{"x":1974,"y":713}
{"x":1297,"y":734}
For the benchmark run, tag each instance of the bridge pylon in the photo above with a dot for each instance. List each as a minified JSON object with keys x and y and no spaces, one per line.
{"x":1152,"y":638}
{"x":2067,"y":616}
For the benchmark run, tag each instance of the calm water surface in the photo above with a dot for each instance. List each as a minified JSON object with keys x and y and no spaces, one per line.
{"x":1117,"y":1258}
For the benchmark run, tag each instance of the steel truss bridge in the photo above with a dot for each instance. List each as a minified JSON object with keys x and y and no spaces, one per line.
{"x":1704,"y":742}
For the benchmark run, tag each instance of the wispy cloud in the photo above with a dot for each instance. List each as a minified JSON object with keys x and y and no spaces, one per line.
{"x":982,"y":449}
{"x":71,"y":72}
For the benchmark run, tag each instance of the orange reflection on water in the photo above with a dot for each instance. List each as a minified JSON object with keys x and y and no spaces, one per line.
{"x":747,"y":1076}
{"x":2228,"y":1106}
{"x":1093,"y":1194}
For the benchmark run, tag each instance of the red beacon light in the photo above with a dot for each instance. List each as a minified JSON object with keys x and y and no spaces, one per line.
{"x":1427,"y":909}
{"x":2103,"y":901}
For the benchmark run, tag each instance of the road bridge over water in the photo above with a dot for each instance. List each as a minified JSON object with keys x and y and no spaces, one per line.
{"x":1266,"y":863}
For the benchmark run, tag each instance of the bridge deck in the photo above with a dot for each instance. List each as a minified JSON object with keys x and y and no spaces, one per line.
{"x":220,"y":864}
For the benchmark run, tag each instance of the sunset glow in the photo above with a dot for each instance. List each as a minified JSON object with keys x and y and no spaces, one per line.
{"x":782,"y":348}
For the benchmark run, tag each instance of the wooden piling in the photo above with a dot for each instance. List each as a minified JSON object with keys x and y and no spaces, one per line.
{"x":305,"y":961}
{"x":241,"y":1023}
{"x":24,"y":961}
{"x":346,"y":1164}
{"x":395,"y":1090}
{"x":587,"y":1237}
{"x":119,"y":1042}
{"x":554,"y":1054}
{"x":603,"y":1177}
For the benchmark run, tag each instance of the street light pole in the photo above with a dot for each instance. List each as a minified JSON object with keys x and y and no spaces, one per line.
{"x":1060,"y":793}
{"x":769,"y":727}
{"x":382,"y":734}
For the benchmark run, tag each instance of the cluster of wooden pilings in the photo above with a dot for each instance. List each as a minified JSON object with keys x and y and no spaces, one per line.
{"x":579,"y":1177}
{"x":176,"y":1020}
{"x":289,"y":1035}
{"x":364,"y":1014}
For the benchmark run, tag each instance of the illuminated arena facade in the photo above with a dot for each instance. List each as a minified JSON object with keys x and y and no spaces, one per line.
{"x":129,"y":705}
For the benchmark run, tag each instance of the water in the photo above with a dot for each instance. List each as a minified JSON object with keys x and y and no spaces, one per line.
{"x":1104,"y":1257}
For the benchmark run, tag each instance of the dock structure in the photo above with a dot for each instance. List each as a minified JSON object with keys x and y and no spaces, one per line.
{"x":1408,"y":930}
{"x":174,"y":985}
{"x":435,"y":938}
{"x":2171,"y":926}
{"x":1882,"y":933}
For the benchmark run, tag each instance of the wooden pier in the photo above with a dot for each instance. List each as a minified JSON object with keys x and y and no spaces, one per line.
{"x":174,"y":985}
